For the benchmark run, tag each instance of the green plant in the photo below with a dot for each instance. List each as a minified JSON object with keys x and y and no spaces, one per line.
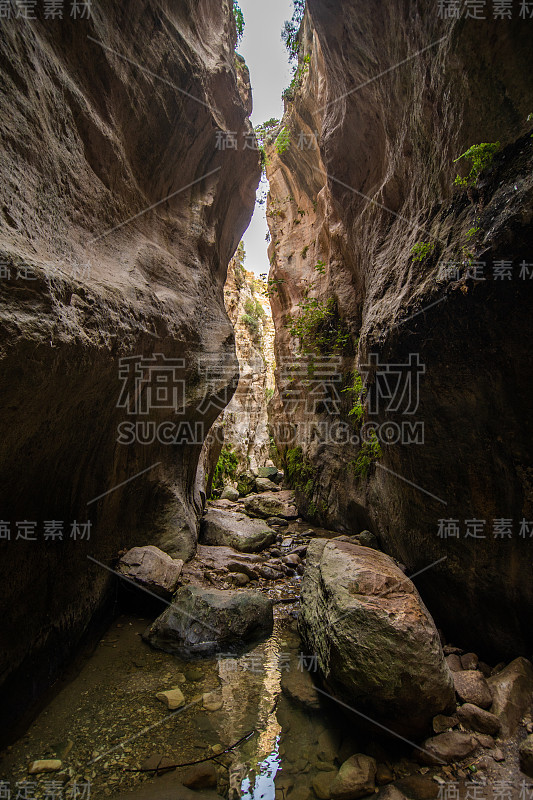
{"x":291,"y":29}
{"x":320,"y":267}
{"x":480,"y":156}
{"x":272,"y":285}
{"x":318,"y":327}
{"x":359,"y":390}
{"x":300,"y":474}
{"x":472,"y":232}
{"x":239,"y":21}
{"x":369,"y":453}
{"x":304,"y":251}
{"x":269,"y":394}
{"x":421,"y":250}
{"x":226,"y":468}
{"x":283,"y":141}
{"x":289,"y":93}
{"x":264,"y":134}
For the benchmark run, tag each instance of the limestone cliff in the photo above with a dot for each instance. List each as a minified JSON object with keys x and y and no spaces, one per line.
{"x":374,"y":256}
{"x":245,"y":420}
{"x":119,"y":214}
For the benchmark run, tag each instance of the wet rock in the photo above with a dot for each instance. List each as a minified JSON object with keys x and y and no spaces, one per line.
{"x":293,"y":559}
{"x":235,"y":530}
{"x":447,"y":747}
{"x":230,"y":493}
{"x":526,"y":756}
{"x":269,"y":574}
{"x":166,"y":787}
{"x":477,"y":719}
{"x":212,"y":701}
{"x":322,"y":784}
{"x":329,"y":742}
{"x":471,"y":687}
{"x":442,"y":723}
{"x":418,"y":787}
{"x":173,"y":698}
{"x":200,"y":776}
{"x":469,"y":661}
{"x":266,"y":485}
{"x":45,"y":765}
{"x":356,"y":778}
{"x":152,"y":569}
{"x":205,"y":621}
{"x":298,"y":686}
{"x":369,"y":628}
{"x":454,"y":663}
{"x":277,"y":522}
{"x":275,"y":504}
{"x":512,"y":694}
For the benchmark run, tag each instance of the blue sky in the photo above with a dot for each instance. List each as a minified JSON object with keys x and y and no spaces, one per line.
{"x":270,"y":74}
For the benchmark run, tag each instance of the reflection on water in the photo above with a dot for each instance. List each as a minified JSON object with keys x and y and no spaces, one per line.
{"x":261,"y":787}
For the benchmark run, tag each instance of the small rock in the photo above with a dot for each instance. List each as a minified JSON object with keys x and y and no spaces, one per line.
{"x":367,"y":539}
{"x":485,"y":670}
{"x":356,"y":778}
{"x":477,"y":719}
{"x":442,"y":723}
{"x":526,"y":756}
{"x":391,"y":793}
{"x":267,"y":472}
{"x":275,"y":553}
{"x":269,"y":574}
{"x":277,"y":522}
{"x":447,"y":747}
{"x":497,"y":755}
{"x":454,"y":662}
{"x":211,"y":701}
{"x":45,"y":765}
{"x":486,"y":741}
{"x":469,"y":661}
{"x":266,"y":485}
{"x":418,"y":787}
{"x":449,"y":650}
{"x":238,"y":578}
{"x":384,"y":774}
{"x":201,"y":776}
{"x":512,"y":693}
{"x":293,"y":559}
{"x":152,"y":569}
{"x":471,"y":687}
{"x":194,"y":675}
{"x":173,"y":698}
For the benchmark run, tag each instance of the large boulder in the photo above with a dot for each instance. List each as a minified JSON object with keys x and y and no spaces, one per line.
{"x":512,"y":694}
{"x":202,"y":622}
{"x":447,"y":748}
{"x":356,"y":778}
{"x":471,"y":687}
{"x":477,"y":719}
{"x":231,"y":529}
{"x":272,"y":504}
{"x":151,"y":569}
{"x":266,"y":485}
{"x":377,"y":646}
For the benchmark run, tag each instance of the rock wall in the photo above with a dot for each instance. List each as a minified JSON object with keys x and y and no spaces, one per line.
{"x":245,"y":420}
{"x":119,"y":216}
{"x":379,"y":182}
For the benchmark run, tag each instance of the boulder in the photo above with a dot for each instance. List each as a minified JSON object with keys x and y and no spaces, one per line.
{"x":272,"y":504}
{"x":418,"y":787}
{"x":246,"y":483}
{"x":231,"y":529}
{"x":356,"y":778}
{"x":512,"y":694}
{"x":472,"y":687}
{"x":267,"y":472}
{"x":477,"y":719}
{"x":376,"y":643}
{"x":226,"y":558}
{"x":447,"y":747}
{"x":526,"y":756}
{"x":442,"y":723}
{"x":454,"y":662}
{"x":206,"y":621}
{"x":469,"y":661}
{"x":322,"y":784}
{"x":230,"y":493}
{"x":266,"y":485}
{"x":152,"y":569}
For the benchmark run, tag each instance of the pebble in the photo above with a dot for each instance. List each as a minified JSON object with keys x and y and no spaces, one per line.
{"x":45,"y":765}
{"x":497,"y":755}
{"x":211,"y":701}
{"x":173,"y":698}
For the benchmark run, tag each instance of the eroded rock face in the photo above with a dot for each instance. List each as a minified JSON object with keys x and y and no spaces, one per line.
{"x":90,"y":141}
{"x":377,"y":646}
{"x":379,"y":182}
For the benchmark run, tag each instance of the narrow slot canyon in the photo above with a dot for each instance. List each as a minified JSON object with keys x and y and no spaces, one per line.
{"x":266,"y":351}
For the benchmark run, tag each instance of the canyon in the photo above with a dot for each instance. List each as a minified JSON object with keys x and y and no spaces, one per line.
{"x":334,"y":464}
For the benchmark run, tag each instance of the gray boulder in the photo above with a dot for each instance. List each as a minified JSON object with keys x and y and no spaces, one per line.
{"x":512,"y":694}
{"x":152,"y":569}
{"x":272,"y":504}
{"x":266,"y":485}
{"x":376,"y":643}
{"x":231,"y":529}
{"x":201,"y":622}
{"x":230,"y":493}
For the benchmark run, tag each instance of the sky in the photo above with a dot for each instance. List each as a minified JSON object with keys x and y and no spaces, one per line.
{"x":268,"y":62}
